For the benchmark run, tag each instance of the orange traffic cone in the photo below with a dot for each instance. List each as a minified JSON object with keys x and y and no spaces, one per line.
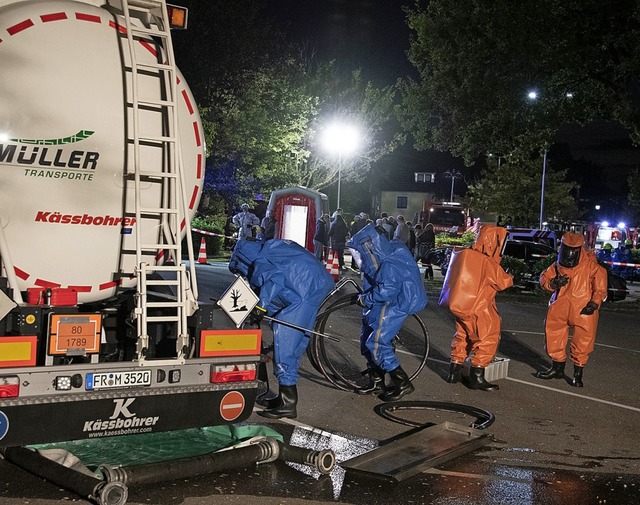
{"x":334,"y":266}
{"x":202,"y":255}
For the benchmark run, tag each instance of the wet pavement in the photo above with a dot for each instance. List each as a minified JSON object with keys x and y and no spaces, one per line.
{"x":550,"y":443}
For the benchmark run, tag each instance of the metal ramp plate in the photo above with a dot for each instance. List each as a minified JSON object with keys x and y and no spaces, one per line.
{"x":418,"y":450}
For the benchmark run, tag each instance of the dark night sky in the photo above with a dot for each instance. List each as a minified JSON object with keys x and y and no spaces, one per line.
{"x":372,"y":35}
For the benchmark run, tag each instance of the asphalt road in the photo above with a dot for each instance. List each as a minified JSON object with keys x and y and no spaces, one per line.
{"x":550,"y":443}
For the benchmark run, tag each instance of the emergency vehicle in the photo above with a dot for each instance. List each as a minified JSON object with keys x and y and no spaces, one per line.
{"x":446,"y":217}
{"x":548,"y":237}
{"x":101,"y":171}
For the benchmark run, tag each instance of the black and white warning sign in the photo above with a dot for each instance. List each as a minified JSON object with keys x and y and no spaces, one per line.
{"x":238,"y":301}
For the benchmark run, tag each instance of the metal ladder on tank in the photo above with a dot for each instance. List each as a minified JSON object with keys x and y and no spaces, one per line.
{"x":172,"y":213}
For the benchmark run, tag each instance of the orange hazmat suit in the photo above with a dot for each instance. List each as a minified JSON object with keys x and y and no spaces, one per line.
{"x":587,"y":282}
{"x":472,"y":281}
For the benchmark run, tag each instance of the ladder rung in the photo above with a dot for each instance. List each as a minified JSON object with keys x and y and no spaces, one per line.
{"x":153,"y":247}
{"x":163,"y":268}
{"x":149,"y":31}
{"x":162,"y":319}
{"x":144,"y":4}
{"x":156,"y":102}
{"x":154,"y":66}
{"x":174,"y":282}
{"x":155,"y":138}
{"x":153,"y":211}
{"x":165,"y":305}
{"x":157,"y":175}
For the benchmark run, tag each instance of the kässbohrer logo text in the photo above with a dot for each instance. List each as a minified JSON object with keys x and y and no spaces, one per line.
{"x":43,"y":216}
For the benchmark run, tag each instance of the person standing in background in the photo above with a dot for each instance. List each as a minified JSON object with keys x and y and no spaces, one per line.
{"x":338,"y":233}
{"x":321,"y":237}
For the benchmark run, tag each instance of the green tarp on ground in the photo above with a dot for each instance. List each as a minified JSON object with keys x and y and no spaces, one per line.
{"x":154,"y":447}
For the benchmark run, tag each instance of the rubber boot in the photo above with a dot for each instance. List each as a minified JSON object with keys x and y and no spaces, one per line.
{"x":376,"y":382}
{"x":286,"y":407}
{"x":555,"y":372}
{"x":577,"y":376}
{"x":477,"y":381}
{"x":455,"y":369}
{"x":400,"y":386}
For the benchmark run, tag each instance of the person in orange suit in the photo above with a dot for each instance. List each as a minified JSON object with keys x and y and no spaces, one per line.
{"x":579,"y":286}
{"x":472,"y":281}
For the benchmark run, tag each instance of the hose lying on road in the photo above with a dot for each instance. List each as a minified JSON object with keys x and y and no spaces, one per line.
{"x":484,"y":418}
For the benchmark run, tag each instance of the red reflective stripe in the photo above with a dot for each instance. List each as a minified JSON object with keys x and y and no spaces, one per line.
{"x":120,"y":28}
{"x":81,"y":289}
{"x":21,"y":273}
{"x":46,"y":284}
{"x":197,"y":133}
{"x":56,"y":16}
{"x":194,"y":196}
{"x":27,"y":23}
{"x":80,"y":16}
{"x":185,"y":97}
{"x":199,"y":169}
{"x":149,"y":47}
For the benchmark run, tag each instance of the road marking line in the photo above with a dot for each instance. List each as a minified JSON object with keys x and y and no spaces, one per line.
{"x":601,"y":345}
{"x":606,"y":402}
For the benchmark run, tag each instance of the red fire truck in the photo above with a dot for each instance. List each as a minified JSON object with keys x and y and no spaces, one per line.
{"x":445,"y":217}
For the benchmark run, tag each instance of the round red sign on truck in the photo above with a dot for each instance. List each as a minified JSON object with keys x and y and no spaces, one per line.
{"x":231,"y":406}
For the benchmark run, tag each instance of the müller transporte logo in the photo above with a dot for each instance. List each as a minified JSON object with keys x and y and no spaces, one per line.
{"x":51,"y":158}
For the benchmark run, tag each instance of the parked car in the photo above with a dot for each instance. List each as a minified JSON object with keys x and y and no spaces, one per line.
{"x":529,"y":252}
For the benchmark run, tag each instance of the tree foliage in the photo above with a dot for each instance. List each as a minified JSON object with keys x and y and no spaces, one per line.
{"x":512,"y":191}
{"x":478,"y":59}
{"x":263,"y":104}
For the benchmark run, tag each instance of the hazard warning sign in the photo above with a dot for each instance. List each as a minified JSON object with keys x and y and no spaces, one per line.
{"x":231,"y":406}
{"x":238,"y":301}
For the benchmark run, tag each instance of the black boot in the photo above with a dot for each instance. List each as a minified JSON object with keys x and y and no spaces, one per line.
{"x":477,"y":381}
{"x":286,"y":407}
{"x":455,"y":370}
{"x":376,"y":382}
{"x":400,"y":386}
{"x":577,"y":376}
{"x":555,"y":372}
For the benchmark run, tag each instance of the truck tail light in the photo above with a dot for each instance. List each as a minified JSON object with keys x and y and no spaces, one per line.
{"x":233,"y":373}
{"x":9,"y":386}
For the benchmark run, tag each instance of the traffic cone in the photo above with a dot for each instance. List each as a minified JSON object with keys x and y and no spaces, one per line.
{"x":329,"y":261}
{"x":334,"y":269}
{"x":202,"y":255}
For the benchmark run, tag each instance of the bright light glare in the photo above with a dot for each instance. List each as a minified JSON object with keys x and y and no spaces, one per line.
{"x":597,"y":207}
{"x":532,"y":95}
{"x":621,"y":225}
{"x":341,"y":139}
{"x":3,"y":137}
{"x":605,"y":223}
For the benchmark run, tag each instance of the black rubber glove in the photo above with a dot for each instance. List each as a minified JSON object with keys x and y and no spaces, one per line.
{"x":256,"y":315}
{"x":558,"y":281}
{"x":589,"y":308}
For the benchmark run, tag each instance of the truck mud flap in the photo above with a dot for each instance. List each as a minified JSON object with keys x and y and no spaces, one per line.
{"x":419,"y":449}
{"x":121,"y":413}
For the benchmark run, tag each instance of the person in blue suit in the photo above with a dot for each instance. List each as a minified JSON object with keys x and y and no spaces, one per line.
{"x":393,"y":290}
{"x":291,"y":284}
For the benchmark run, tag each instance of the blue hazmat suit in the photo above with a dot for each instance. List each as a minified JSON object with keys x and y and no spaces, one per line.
{"x":291,"y":284}
{"x":393,"y":290}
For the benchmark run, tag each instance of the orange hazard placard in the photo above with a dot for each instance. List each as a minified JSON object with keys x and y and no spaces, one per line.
{"x":232,"y":405}
{"x":74,"y":333}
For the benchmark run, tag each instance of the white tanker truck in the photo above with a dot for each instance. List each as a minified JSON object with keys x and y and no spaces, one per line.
{"x":101,"y":171}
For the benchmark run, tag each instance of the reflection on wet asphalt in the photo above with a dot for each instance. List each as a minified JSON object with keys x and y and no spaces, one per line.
{"x":470,"y":479}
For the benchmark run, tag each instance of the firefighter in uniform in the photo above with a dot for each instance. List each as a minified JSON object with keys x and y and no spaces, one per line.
{"x":291,"y":284}
{"x":579,"y":286}
{"x":393,"y":290}
{"x":473,"y":279}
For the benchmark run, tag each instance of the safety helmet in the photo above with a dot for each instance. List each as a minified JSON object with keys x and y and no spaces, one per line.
{"x":570,"y":247}
{"x":244,"y":206}
{"x":607,"y":247}
{"x":244,"y":255}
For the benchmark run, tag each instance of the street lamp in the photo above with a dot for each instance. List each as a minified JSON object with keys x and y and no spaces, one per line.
{"x":341,"y":139}
{"x":454,"y":174}
{"x":533,"y":95}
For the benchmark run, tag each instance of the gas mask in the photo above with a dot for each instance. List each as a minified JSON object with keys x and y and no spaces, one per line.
{"x":569,"y":256}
